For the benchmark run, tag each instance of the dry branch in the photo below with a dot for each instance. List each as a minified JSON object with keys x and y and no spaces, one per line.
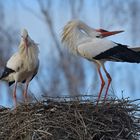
{"x":71,"y":119}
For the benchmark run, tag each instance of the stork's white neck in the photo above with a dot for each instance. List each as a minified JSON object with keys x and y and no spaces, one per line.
{"x":33,"y":52}
{"x":22,"y":50}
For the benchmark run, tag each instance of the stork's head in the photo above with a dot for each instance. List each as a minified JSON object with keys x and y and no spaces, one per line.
{"x":101,"y":33}
{"x":24,"y":35}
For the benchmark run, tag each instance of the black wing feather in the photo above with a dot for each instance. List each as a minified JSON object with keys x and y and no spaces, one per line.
{"x":11,"y":83}
{"x":6,"y":72}
{"x":120,"y":53}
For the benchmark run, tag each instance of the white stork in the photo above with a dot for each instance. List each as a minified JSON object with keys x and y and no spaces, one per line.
{"x":90,"y":43}
{"x":23,"y":65}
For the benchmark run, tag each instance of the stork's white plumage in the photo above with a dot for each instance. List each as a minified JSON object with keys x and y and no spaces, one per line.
{"x":90,"y":43}
{"x":23,"y":65}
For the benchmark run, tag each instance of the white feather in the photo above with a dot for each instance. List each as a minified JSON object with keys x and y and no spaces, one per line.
{"x":15,"y":62}
{"x":94,"y":47}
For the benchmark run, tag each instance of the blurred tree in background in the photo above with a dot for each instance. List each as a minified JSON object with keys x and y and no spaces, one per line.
{"x":61,"y":72}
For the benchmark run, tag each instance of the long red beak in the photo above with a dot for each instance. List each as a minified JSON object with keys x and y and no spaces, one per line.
{"x":26,"y":46}
{"x":105,"y":33}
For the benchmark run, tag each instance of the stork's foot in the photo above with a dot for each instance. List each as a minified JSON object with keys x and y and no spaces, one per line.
{"x":108,"y":105}
{"x":96,"y":109}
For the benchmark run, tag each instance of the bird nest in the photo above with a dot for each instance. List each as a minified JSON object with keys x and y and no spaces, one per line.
{"x":71,"y":119}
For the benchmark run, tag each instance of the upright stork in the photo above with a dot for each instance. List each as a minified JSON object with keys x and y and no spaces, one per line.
{"x":23,"y":65}
{"x":90,"y":43}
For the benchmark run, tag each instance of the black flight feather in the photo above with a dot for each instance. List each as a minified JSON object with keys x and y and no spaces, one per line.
{"x":6,"y":72}
{"x":11,"y":83}
{"x":119,"y":53}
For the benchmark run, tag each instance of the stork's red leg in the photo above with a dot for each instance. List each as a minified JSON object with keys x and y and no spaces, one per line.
{"x":14,"y":95}
{"x":102,"y":83}
{"x":109,"y":81}
{"x":108,"y":85}
{"x":25,"y":91}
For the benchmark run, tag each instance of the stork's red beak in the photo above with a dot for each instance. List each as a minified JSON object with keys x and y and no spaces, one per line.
{"x":105,"y":33}
{"x":26,"y":46}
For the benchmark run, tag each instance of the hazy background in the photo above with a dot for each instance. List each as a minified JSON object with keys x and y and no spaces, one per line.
{"x":61,"y":73}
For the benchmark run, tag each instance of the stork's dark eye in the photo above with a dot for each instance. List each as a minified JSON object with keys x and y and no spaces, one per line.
{"x":98,"y":36}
